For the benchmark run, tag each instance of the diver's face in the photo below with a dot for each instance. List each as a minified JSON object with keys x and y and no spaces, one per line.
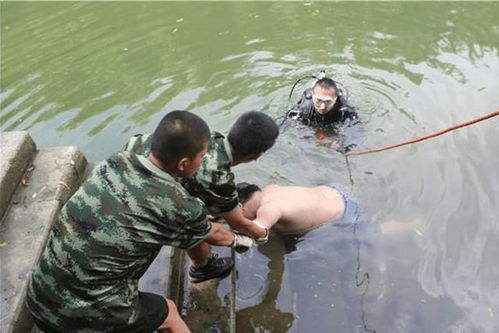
{"x":323,"y":99}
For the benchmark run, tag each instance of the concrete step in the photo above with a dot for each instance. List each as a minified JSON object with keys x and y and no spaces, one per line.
{"x":52,"y":177}
{"x":17,"y":149}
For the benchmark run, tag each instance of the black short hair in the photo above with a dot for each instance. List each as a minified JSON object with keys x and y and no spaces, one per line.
{"x":179,"y":134}
{"x":253,"y":132}
{"x":245,"y":191}
{"x":326,"y":83}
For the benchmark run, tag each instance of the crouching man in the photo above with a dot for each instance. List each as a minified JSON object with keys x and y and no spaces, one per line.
{"x":112,"y":228}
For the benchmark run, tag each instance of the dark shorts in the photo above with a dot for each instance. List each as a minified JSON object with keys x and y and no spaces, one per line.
{"x":350,"y":215}
{"x":153,"y":312}
{"x":354,"y":217}
{"x":354,"y":223}
{"x":352,"y":210}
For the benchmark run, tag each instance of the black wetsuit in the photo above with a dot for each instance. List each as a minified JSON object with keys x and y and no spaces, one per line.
{"x":305,"y":112}
{"x":341,"y":121}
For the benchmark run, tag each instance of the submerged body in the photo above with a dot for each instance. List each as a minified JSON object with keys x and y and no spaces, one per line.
{"x":323,"y":238}
{"x":302,"y":208}
{"x":296,"y":209}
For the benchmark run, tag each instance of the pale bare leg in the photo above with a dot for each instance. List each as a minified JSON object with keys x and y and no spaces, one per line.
{"x":173,"y":322}
{"x":396,"y":227}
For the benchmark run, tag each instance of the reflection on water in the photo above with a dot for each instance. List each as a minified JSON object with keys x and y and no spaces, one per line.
{"x":93,"y":74}
{"x":262,"y":312}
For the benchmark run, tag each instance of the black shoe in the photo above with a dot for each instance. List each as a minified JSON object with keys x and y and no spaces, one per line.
{"x":215,"y":268}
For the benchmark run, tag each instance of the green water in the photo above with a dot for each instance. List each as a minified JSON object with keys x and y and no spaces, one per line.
{"x":93,"y":74}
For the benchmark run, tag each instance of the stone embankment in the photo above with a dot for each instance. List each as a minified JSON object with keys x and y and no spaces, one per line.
{"x":34,"y":184}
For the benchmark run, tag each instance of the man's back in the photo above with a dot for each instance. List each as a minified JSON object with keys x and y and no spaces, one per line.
{"x":302,"y":208}
{"x":214,"y":183}
{"x":104,"y":239}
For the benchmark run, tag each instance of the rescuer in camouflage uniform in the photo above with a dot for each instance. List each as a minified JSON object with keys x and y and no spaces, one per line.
{"x":251,"y":135}
{"x":112,"y":228}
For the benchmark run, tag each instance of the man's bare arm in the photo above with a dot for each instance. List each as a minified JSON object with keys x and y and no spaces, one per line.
{"x":268,"y":215}
{"x":238,"y":222}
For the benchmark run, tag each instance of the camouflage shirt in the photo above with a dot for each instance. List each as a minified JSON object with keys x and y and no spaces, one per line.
{"x":105,"y":238}
{"x":214,"y":182}
{"x":139,"y":144}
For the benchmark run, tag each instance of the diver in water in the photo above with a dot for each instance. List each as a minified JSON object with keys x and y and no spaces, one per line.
{"x":322,"y":106}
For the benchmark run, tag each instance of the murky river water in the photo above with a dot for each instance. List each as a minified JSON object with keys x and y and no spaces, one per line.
{"x":93,"y":74}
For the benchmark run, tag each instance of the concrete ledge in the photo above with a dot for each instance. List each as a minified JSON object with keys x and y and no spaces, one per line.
{"x":17,"y":149}
{"x":57,"y":173}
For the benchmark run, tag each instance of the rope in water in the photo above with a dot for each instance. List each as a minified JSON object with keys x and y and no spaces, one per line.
{"x":365,"y":280}
{"x":467,"y":123}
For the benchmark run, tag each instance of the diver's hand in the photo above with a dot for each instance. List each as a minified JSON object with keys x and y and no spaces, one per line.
{"x":345,"y":149}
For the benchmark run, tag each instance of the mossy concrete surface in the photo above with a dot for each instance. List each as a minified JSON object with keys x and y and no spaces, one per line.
{"x":43,"y":181}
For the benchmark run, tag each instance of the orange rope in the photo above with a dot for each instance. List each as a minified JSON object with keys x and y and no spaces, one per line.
{"x":471,"y":122}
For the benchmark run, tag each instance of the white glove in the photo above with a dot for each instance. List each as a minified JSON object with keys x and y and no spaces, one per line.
{"x":242,"y":243}
{"x":265,"y":238}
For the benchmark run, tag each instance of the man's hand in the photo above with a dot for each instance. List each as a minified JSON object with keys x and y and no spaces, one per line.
{"x":242,"y":243}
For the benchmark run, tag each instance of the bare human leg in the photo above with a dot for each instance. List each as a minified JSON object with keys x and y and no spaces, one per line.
{"x":396,"y":227}
{"x":173,"y":322}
